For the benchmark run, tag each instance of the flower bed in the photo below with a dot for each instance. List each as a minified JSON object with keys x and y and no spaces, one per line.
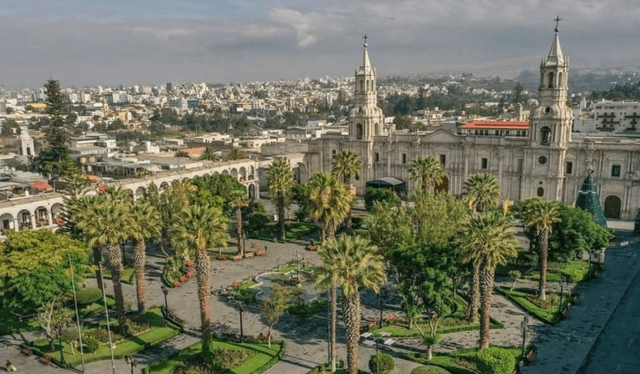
{"x":543,"y":310}
{"x":177,"y":271}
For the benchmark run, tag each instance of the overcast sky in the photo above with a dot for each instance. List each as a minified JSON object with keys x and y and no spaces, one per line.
{"x":216,"y":41}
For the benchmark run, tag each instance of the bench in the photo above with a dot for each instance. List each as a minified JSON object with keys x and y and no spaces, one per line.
{"x":248,"y":255}
{"x":27,"y":351}
{"x":237,"y":258}
{"x":46,"y":359}
{"x":260,"y":252}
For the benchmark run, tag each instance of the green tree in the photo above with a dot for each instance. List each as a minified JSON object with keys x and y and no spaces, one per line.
{"x":390,"y":226}
{"x":54,"y":319}
{"x":146,"y":224}
{"x":329,"y":202}
{"x":540,"y":216}
{"x":487,"y":240}
{"x":197,"y":228}
{"x":235,"y":154}
{"x":108,"y":222}
{"x":483,"y":192}
{"x":182,"y":153}
{"x":280,"y":181}
{"x":380,"y":194}
{"x":237,"y":201}
{"x":437,"y":217}
{"x":273,"y":306}
{"x":345,"y":164}
{"x":426,"y":172}
{"x":576,"y":232}
{"x":352,"y":263}
{"x":431,"y":289}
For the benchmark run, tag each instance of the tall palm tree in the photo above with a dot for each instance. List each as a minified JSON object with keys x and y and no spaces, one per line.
{"x":196,"y":229}
{"x":483,"y":192}
{"x":540,"y":215}
{"x":486,"y":241}
{"x":354,"y":263}
{"x":329,"y":202}
{"x":280,"y":181}
{"x":237,"y":201}
{"x":108,"y":223}
{"x":427,"y":172}
{"x":146,"y":224}
{"x":210,"y":154}
{"x":345,"y":164}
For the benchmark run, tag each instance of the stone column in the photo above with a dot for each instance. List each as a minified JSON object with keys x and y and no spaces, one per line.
{"x":33,"y":222}
{"x":16,"y":225}
{"x":49,"y":217}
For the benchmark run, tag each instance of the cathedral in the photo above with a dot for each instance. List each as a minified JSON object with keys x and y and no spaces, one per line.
{"x":540,"y":157}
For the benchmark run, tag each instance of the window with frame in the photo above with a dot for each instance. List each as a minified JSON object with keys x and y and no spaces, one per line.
{"x":333,"y":153}
{"x":377,"y":157}
{"x":485,"y":163}
{"x":569,"y":168}
{"x":443,"y":160}
{"x":404,"y":158}
{"x":615,"y":171}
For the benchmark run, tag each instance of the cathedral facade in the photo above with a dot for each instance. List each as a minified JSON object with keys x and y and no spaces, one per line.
{"x":541,"y":158}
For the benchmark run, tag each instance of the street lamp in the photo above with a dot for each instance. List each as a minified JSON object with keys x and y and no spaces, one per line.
{"x":165,"y":291}
{"x":563,"y":280}
{"x":131,"y":362}
{"x":525,"y":322}
{"x":62,"y":361}
{"x":241,"y":308}
{"x":382,"y":296}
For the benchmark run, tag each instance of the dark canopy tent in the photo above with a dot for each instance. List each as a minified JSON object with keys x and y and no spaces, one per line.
{"x":398,"y":186}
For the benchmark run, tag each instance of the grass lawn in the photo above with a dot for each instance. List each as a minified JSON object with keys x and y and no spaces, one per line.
{"x":96,"y":307}
{"x":160,"y":331}
{"x":454,"y":323}
{"x":295,"y":230}
{"x":461,"y":361}
{"x":519,"y":296}
{"x":575,"y":271}
{"x":127,"y":276}
{"x":263,"y":355}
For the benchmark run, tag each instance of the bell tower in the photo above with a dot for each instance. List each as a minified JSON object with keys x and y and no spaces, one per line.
{"x":551,"y":121}
{"x":365,"y":119}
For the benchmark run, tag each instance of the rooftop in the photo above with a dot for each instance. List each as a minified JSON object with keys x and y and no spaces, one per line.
{"x":501,"y":125}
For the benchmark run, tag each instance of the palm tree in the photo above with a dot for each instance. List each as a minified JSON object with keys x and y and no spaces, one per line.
{"x":237,"y":201}
{"x":196,"y":229}
{"x":329,"y":202}
{"x":210,"y":155}
{"x":181,"y":153}
{"x":235,"y":154}
{"x":280,"y":180}
{"x":345,"y":164}
{"x":108,"y":223}
{"x":146,"y":222}
{"x":427,"y":172}
{"x":540,"y":215}
{"x":486,"y":241}
{"x":483,"y":192}
{"x":352,"y":263}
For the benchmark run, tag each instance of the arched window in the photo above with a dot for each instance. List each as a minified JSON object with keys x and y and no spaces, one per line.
{"x":28,"y":151}
{"x":359,"y":131}
{"x":375,"y":127}
{"x":545,"y":135}
{"x":540,"y":191}
{"x":367,"y":85}
{"x":361,"y":85}
{"x":550,"y":80}
{"x":560,"y":82}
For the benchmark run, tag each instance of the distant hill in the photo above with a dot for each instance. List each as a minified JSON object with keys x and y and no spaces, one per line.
{"x":583,"y":81}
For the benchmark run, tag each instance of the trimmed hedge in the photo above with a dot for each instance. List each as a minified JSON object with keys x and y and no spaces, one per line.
{"x":382,"y":362}
{"x":429,"y":369}
{"x":88,"y":296}
{"x":493,"y":360}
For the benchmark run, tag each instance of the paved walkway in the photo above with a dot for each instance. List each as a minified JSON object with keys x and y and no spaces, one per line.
{"x":564,"y":347}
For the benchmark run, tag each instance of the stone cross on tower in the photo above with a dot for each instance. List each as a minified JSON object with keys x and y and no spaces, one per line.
{"x":365,"y":40}
{"x":558,"y":19}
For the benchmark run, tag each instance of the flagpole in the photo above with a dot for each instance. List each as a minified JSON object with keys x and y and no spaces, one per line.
{"x":75,"y":302}
{"x":106,"y":312}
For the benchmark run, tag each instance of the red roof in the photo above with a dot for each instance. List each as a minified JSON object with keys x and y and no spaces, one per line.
{"x":500,"y":125}
{"x":42,"y":186}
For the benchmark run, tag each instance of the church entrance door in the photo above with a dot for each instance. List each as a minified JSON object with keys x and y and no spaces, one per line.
{"x":612,"y":206}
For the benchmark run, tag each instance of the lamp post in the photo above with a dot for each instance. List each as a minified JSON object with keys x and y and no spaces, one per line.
{"x":382,"y":296}
{"x":525,"y":322}
{"x":131,"y":362}
{"x":62,"y":361}
{"x":165,"y":291}
{"x":241,"y":308}
{"x":563,"y":280}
